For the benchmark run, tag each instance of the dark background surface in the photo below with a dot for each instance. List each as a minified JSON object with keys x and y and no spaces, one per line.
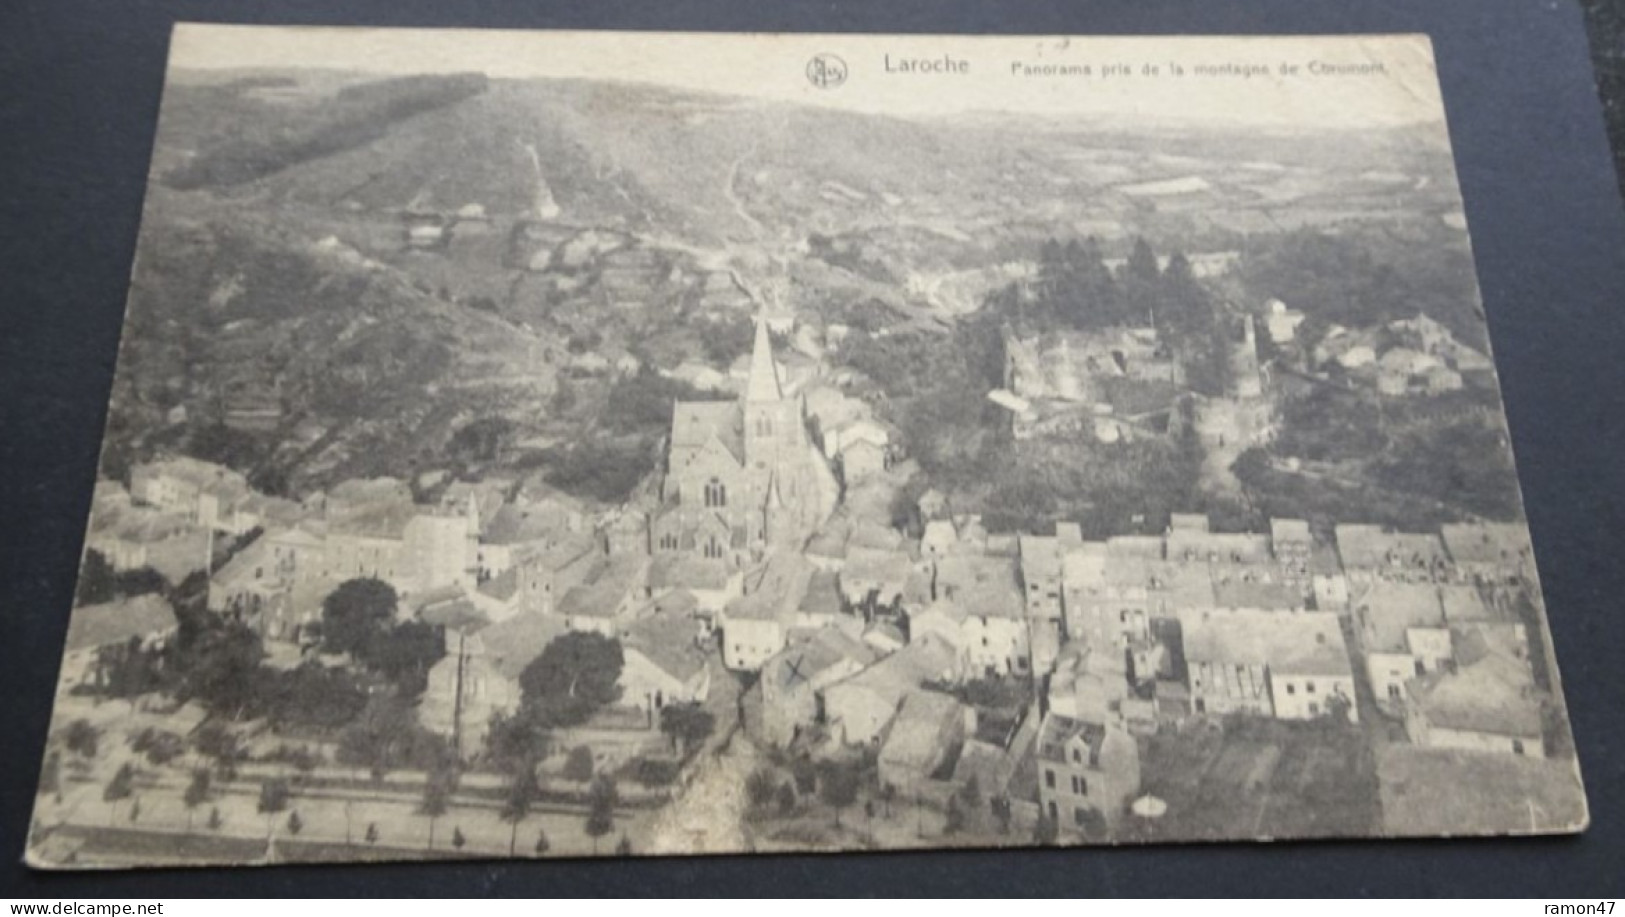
{"x":81,"y":83}
{"x":1605,"y":23}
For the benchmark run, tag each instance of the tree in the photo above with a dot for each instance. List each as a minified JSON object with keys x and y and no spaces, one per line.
{"x":387,"y":736}
{"x":1046,"y":831}
{"x":295,"y":823}
{"x":312,"y":694}
{"x":406,"y":653}
{"x":457,"y":839}
{"x":686,"y":725}
{"x":222,"y":670}
{"x":1142,"y":262}
{"x":197,"y":792}
{"x":140,"y":581}
{"x":372,"y":832}
{"x":805,"y":774}
{"x":356,"y":616}
{"x":160,"y":746}
{"x":786,"y":798}
{"x":1002,"y":813}
{"x":516,"y":806}
{"x":273,"y":799}
{"x":50,"y":778}
{"x":481,"y":440}
{"x":97,"y":580}
{"x":214,"y":740}
{"x":574,"y":676}
{"x":624,"y":847}
{"x":578,"y":764}
{"x":601,"y":800}
{"x":215,"y":821}
{"x":969,"y":798}
{"x":955,"y":822}
{"x":120,"y":786}
{"x":760,"y":788}
{"x":135,"y":810}
{"x":82,"y":738}
{"x":542,"y":844}
{"x":1140,"y":281}
{"x":838,"y":785}
{"x":436,"y":797}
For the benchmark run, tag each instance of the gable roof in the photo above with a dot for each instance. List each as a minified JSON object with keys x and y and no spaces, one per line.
{"x":1296,"y":643}
{"x":763,"y":383}
{"x":926,"y":659}
{"x":668,"y":641}
{"x":1364,"y":547}
{"x":601,"y":596}
{"x":515,"y":524}
{"x":1388,"y":610}
{"x":1058,"y":731}
{"x":823,"y":595}
{"x":1486,"y":542}
{"x":695,"y":423}
{"x":984,"y":586}
{"x":917,"y":730}
{"x":513,"y":644}
{"x":773,"y":589}
{"x":1495,"y":695}
{"x":685,"y":571}
{"x":381,"y":520}
{"x":91,"y":626}
{"x":802,"y":661}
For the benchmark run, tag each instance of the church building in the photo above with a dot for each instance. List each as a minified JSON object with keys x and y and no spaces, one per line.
{"x":743,"y":475}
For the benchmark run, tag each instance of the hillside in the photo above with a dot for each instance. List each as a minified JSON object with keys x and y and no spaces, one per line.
{"x":337,"y":273}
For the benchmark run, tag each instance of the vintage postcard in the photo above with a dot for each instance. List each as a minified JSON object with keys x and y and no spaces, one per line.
{"x":566,"y":443}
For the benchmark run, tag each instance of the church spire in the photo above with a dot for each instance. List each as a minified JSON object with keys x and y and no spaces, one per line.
{"x":763,"y":384}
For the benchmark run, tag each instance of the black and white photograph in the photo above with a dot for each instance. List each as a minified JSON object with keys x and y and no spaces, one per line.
{"x":535,"y":444}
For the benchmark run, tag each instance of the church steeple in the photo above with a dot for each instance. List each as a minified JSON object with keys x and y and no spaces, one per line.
{"x":763,"y":384}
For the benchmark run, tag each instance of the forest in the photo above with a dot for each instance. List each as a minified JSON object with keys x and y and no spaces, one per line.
{"x":354,"y":116}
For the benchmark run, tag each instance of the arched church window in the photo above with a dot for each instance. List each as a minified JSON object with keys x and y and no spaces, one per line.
{"x":716,"y":493}
{"x":668,"y":542}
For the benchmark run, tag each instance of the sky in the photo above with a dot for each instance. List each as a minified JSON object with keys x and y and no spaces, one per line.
{"x":995,"y":76}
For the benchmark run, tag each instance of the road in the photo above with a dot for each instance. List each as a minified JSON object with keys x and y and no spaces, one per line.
{"x":709,"y":815}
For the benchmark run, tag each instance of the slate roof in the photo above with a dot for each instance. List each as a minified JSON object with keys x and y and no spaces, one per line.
{"x":1289,"y":530}
{"x":915,"y":738}
{"x":1058,"y":731}
{"x":693,"y":423}
{"x":383,"y":520}
{"x":799,"y":663}
{"x":503,"y":586}
{"x":1486,"y":543}
{"x":1301,"y":643}
{"x":1364,"y":547}
{"x":926,"y":659}
{"x":1495,"y":695}
{"x":513,"y":644}
{"x":668,"y":641}
{"x":683,"y":571}
{"x":775,"y":588}
{"x":1388,"y":610}
{"x":515,"y":524}
{"x":983,"y":586}
{"x":823,"y":595}
{"x":91,"y":626}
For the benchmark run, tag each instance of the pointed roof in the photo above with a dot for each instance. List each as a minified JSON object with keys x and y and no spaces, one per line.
{"x":763,"y":384}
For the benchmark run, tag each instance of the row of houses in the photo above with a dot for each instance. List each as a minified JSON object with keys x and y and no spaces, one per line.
{"x":1133,"y":631}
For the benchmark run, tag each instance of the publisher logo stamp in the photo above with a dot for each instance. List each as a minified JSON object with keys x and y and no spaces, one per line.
{"x":826,"y":71}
